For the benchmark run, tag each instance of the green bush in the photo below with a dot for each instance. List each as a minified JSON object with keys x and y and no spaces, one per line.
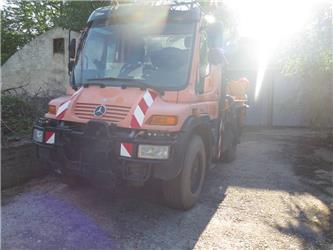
{"x":19,"y":114}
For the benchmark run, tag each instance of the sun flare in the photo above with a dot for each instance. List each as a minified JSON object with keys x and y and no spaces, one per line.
{"x":270,"y":22}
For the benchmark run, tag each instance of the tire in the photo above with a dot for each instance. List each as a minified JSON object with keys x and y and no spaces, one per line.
{"x":230,"y":154}
{"x":184,"y":191}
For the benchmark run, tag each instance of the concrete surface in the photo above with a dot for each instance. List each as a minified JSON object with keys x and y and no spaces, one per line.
{"x":19,"y":164}
{"x":271,"y":197}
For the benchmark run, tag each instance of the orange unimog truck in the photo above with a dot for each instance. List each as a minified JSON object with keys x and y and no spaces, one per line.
{"x":149,"y":101}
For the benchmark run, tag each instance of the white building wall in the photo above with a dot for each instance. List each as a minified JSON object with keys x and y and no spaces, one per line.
{"x":36,"y":66}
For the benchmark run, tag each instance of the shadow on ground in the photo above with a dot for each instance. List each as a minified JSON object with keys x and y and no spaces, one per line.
{"x":91,"y":218}
{"x":312,"y":160}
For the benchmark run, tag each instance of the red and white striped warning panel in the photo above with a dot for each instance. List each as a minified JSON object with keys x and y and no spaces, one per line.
{"x":49,"y":137}
{"x":141,"y":109}
{"x":126,"y":149}
{"x":64,"y":106}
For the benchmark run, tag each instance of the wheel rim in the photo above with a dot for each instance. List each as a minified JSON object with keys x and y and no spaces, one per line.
{"x":196,"y":173}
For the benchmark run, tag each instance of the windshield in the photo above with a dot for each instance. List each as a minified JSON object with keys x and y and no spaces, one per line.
{"x":157,"y":56}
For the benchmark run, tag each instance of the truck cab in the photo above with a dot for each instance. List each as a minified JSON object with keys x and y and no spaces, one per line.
{"x":148,"y":99}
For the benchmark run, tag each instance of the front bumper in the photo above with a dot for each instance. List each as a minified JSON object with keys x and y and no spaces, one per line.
{"x":97,"y":148}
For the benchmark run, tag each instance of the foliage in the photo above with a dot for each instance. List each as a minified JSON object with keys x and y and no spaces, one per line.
{"x":16,"y":113}
{"x":23,"y":20}
{"x":311,"y":54}
{"x":309,"y":57}
{"x":10,"y":39}
{"x":74,"y":14}
{"x":19,"y":112}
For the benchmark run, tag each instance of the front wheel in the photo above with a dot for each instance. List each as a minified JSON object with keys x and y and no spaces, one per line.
{"x":184,"y":191}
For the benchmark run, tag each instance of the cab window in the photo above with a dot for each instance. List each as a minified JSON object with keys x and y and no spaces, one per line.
{"x":203,"y":64}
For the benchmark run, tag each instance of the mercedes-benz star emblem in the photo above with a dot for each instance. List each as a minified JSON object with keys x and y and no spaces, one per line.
{"x":100,"y":110}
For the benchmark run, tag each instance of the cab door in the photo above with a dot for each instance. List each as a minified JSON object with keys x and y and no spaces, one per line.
{"x":207,"y":87}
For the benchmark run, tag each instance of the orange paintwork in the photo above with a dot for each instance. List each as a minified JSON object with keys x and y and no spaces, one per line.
{"x":122,"y":102}
{"x":125,"y":98}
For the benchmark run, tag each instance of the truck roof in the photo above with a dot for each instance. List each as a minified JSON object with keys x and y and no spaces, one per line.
{"x":184,"y":11}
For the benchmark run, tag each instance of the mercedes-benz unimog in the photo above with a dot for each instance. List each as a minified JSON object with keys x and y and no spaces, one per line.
{"x":148,"y":100}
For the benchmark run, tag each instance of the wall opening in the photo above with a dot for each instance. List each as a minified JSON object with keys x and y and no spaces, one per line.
{"x":58,"y":46}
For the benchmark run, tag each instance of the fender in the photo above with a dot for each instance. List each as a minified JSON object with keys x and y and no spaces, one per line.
{"x":204,"y":126}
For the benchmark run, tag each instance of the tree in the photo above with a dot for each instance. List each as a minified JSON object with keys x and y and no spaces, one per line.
{"x":11,"y":40}
{"x":310,"y":57}
{"x":74,"y":14}
{"x":311,"y":54}
{"x":21,"y":21}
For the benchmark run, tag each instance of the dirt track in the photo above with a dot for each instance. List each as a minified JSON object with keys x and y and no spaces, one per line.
{"x":277,"y":195}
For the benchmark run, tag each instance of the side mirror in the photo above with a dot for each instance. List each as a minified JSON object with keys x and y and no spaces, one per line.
{"x":215,"y":35}
{"x":216,"y":56}
{"x":71,"y":54}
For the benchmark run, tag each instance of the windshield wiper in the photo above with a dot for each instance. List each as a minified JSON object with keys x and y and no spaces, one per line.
{"x":86,"y":85}
{"x":130,"y":82}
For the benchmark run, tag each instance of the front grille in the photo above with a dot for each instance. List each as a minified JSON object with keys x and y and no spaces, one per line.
{"x":114,"y":113}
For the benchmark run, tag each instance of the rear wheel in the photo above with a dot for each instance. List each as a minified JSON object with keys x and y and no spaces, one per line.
{"x":184,"y":191}
{"x":230,"y":154}
{"x":229,"y":139}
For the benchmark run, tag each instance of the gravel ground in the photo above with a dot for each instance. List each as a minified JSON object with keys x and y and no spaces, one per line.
{"x":271,"y":197}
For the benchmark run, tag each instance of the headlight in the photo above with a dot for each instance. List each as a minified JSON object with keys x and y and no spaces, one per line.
{"x":38,"y":135}
{"x":153,"y":152}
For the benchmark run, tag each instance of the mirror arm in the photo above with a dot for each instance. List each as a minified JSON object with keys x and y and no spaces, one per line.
{"x":68,"y":48}
{"x":71,"y":54}
{"x":225,"y":59}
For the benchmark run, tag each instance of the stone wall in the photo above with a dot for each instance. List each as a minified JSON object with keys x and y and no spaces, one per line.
{"x":19,"y":163}
{"x":37,"y":66}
